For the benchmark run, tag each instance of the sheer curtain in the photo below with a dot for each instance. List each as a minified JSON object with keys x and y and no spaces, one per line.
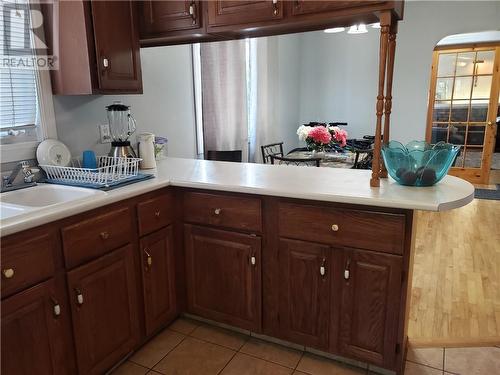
{"x":224,"y":96}
{"x":239,"y":82}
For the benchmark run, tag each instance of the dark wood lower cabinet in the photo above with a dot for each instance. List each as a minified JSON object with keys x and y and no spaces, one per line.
{"x":104,"y":310}
{"x":35,"y":334}
{"x":223,"y":271}
{"x":305,"y":292}
{"x":321,"y":289}
{"x":370,"y":306}
{"x":158,"y":279}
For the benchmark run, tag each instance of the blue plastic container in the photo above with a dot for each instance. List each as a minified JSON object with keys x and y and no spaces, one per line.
{"x":418,"y":163}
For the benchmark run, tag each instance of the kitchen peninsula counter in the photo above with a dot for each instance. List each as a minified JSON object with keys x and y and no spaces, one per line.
{"x":350,"y":186}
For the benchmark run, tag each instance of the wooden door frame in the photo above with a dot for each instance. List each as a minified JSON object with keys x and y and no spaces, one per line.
{"x":474,"y":175}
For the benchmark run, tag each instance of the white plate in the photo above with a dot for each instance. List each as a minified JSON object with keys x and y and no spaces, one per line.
{"x":53,"y":152}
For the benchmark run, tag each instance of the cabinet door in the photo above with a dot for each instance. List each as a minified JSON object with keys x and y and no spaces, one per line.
{"x":104,"y":310}
{"x":369,"y":316}
{"x":305,"y":292}
{"x":117,"y":46}
{"x":300,"y":7}
{"x":224,"y":276}
{"x":158,"y":279}
{"x":226,"y":13}
{"x":159,"y":17}
{"x":34,"y":336}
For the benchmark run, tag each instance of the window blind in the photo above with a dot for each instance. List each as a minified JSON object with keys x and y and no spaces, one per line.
{"x":18,"y":93}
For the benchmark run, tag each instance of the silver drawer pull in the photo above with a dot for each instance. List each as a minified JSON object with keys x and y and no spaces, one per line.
{"x":157,"y":213}
{"x":322,"y":270}
{"x":335,"y":227}
{"x":346,"y":274}
{"x":56,"y":308}
{"x":253,"y":260}
{"x":104,"y":235}
{"x":105,"y":62}
{"x":217,"y":211}
{"x":79,"y":297}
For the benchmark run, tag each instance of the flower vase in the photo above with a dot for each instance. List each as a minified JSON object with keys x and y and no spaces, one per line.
{"x":318,"y":153}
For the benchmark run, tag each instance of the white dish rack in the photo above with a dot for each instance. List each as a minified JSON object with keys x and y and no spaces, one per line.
{"x":110,"y":171}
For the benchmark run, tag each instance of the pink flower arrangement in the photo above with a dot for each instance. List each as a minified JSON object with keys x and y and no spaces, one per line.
{"x":340,"y":135}
{"x":321,"y":135}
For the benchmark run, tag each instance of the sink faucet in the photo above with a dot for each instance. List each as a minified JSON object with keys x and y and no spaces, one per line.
{"x":9,"y":182}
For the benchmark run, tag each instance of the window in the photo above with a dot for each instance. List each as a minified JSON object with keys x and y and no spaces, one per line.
{"x":26,"y":109}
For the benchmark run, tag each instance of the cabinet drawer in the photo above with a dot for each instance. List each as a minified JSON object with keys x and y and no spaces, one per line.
{"x":223,"y":210}
{"x":154,"y":213}
{"x":93,"y":237}
{"x":26,"y":263}
{"x":362,"y":229}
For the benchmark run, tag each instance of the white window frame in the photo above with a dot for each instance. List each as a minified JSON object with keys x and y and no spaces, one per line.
{"x":47,"y":123}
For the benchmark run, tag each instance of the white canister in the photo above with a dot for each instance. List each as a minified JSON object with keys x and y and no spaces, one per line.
{"x":147,"y":150}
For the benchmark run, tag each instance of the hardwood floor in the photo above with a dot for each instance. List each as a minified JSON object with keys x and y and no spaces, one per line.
{"x":456,"y":277}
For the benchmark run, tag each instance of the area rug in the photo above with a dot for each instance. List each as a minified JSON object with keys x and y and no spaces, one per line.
{"x":493,"y":194}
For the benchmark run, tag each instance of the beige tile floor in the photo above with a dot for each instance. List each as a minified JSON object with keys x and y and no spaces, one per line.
{"x":189,"y":347}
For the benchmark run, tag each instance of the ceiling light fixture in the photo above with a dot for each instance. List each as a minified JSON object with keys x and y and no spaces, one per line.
{"x":334,"y":30}
{"x":357,"y":29}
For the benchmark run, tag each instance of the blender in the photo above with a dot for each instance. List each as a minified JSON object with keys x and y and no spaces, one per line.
{"x":121,"y":127}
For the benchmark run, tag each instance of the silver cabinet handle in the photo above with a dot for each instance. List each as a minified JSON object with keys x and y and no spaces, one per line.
{"x":335,"y":228}
{"x":253,"y":260}
{"x":192,"y":12}
{"x":346,"y":270}
{"x":322,"y":268}
{"x":104,"y":235}
{"x":56,"y":308}
{"x":275,"y":7}
{"x":157,"y":213}
{"x":217,"y":211}
{"x":149,"y":259}
{"x":79,"y":297}
{"x":105,"y":62}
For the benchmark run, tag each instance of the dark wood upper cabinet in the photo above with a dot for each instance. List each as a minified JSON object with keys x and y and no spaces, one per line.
{"x":304,"y":292}
{"x":300,"y":7}
{"x":104,"y":310}
{"x":158,"y":279}
{"x":166,"y":16}
{"x":96,"y":44}
{"x":223,"y":271}
{"x":228,"y":13}
{"x":370,"y":306}
{"x":117,"y":46}
{"x":34,"y":336}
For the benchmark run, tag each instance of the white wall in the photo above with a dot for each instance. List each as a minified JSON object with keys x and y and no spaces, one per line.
{"x":339,"y":74}
{"x":166,"y":108}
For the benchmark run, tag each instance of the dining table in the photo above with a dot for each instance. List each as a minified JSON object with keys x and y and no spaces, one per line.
{"x":330,"y":159}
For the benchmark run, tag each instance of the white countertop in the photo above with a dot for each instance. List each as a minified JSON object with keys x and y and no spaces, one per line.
{"x":321,"y":184}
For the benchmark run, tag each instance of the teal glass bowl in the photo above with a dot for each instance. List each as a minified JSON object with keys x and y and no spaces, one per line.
{"x":418,"y":163}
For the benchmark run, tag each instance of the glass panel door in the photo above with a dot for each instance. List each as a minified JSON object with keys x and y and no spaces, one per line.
{"x":462,"y":87}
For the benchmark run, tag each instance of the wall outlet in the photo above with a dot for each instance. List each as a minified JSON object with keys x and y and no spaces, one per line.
{"x":104,"y":133}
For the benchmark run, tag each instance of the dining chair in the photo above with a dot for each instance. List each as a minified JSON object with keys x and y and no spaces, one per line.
{"x":309,"y":162}
{"x":271,"y":149}
{"x":234,"y":155}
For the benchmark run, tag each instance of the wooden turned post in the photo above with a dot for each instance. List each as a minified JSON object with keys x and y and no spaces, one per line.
{"x":385,"y":21}
{"x":388,"y":91}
